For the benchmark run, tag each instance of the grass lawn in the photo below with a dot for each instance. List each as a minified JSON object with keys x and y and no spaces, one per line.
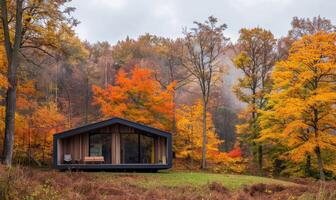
{"x":180,"y":179}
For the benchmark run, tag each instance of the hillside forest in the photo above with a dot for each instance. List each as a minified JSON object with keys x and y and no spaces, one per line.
{"x":258,"y":105}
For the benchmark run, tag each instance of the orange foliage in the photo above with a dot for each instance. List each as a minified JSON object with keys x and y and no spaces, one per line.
{"x":35,"y":123}
{"x":3,"y":67}
{"x":138,"y":97}
{"x":234,"y":153}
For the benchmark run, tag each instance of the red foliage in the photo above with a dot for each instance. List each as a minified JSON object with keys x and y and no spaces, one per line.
{"x":235,"y":153}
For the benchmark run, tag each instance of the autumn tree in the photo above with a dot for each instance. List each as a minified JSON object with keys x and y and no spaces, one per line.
{"x":142,"y":52}
{"x":170,"y":69}
{"x":138,"y":97}
{"x":45,"y":121}
{"x":188,"y":140}
{"x":27,"y":24}
{"x":301,"y":27}
{"x":71,"y":80}
{"x":255,"y":60}
{"x":162,"y":55}
{"x":302,"y":111}
{"x":204,"y":47}
{"x":102,"y":57}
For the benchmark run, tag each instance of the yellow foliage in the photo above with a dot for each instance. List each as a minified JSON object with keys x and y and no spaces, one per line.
{"x":255,"y":61}
{"x":3,"y":68}
{"x":303,"y":112}
{"x":188,"y":140}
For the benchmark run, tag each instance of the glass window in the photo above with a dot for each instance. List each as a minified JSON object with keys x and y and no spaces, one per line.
{"x":136,"y":148}
{"x":146,"y":149}
{"x":100,"y":145}
{"x":129,"y":148}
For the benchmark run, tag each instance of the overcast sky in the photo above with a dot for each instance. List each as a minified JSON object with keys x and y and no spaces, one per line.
{"x":113,"y":20}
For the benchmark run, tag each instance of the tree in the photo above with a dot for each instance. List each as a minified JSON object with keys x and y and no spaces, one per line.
{"x":256,"y":59}
{"x":142,"y":52}
{"x":301,"y":27}
{"x":72,"y":78}
{"x":27,"y":24}
{"x":136,"y":97}
{"x":204,"y":46}
{"x":163,"y":55}
{"x":188,"y":140}
{"x":170,"y":69}
{"x":46,"y":120}
{"x":302,"y":111}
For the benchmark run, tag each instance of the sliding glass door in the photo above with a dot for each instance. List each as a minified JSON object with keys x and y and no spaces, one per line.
{"x":146,"y":149}
{"x":136,"y":148}
{"x":100,"y":145}
{"x":129,"y":148}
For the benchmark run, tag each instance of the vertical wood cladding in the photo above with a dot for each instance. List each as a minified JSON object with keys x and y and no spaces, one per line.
{"x":78,"y":146}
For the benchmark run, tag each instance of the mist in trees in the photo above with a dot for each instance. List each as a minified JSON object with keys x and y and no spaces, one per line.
{"x":236,"y":105}
{"x":204,"y":47}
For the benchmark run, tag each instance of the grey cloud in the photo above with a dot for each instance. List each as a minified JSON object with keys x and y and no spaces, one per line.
{"x":113,"y":20}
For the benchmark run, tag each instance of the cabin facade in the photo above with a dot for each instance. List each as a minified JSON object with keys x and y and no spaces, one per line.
{"x":114,"y":144}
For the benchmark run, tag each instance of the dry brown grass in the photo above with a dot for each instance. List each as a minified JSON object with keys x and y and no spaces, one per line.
{"x":27,"y":183}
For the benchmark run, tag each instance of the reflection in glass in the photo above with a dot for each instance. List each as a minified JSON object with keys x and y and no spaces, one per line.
{"x":136,"y":148}
{"x":100,"y":145}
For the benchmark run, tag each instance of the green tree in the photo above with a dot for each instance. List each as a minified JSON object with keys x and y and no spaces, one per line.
{"x":255,"y":60}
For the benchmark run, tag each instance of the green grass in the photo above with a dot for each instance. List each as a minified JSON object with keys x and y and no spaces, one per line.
{"x":180,"y":179}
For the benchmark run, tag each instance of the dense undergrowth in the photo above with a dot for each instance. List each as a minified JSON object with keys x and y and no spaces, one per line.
{"x":30,"y":184}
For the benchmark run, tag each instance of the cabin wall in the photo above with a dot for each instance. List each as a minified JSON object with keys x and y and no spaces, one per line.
{"x":78,"y":145}
{"x":115,"y":147}
{"x":72,"y":146}
{"x":84,"y":145}
{"x":59,"y":151}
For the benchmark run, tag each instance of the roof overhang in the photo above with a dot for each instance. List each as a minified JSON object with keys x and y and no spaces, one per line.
{"x":109,"y":122}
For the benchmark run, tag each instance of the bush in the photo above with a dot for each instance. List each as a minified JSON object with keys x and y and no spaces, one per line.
{"x":45,"y":192}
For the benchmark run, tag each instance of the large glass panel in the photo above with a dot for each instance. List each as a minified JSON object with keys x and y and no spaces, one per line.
{"x":129,"y":148}
{"x":146,"y":149}
{"x":100,"y":145}
{"x":136,"y":148}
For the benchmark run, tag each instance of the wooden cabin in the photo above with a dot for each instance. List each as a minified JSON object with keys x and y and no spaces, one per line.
{"x":114,"y":144}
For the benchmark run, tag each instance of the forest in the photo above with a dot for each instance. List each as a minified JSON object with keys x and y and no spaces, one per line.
{"x":260,"y":105}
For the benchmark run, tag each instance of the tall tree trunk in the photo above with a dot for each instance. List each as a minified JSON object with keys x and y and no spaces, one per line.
{"x":320,"y":162}
{"x":56,"y":83}
{"x":259,"y":155}
{"x":29,"y":141}
{"x":9,"y":120}
{"x":12,"y":53}
{"x":10,"y":109}
{"x":86,"y":119}
{"x":174,"y":114}
{"x":204,"y":142}
{"x":105,"y":75}
{"x":308,"y":165}
{"x":260,"y":159}
{"x":192,"y":147}
{"x":277,"y":167}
